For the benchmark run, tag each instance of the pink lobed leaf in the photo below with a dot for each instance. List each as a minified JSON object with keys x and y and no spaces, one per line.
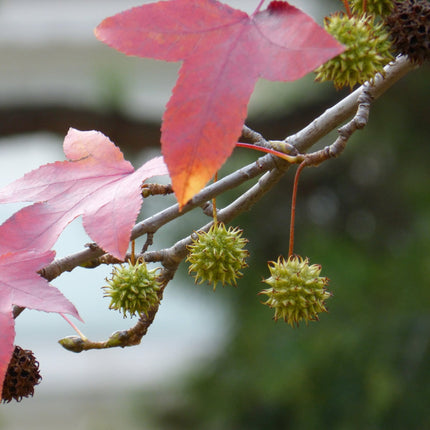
{"x":21,"y":285}
{"x":7,"y":335}
{"x":95,"y":182}
{"x":224,"y":52}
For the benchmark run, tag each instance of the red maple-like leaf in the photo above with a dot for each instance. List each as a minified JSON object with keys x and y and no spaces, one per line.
{"x":95,"y":182}
{"x":21,"y":285}
{"x":224,"y":52}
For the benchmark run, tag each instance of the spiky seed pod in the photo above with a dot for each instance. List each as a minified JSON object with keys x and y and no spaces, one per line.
{"x":133,"y":288}
{"x":368,"y":50}
{"x":409,"y":26}
{"x":296,"y":292}
{"x":218,"y":255}
{"x":373,"y":7}
{"x":22,"y":375}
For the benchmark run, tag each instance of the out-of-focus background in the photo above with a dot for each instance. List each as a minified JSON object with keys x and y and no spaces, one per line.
{"x":218,"y":360}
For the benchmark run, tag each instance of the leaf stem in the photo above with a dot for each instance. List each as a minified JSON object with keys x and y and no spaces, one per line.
{"x":133,"y":250}
{"x":293,"y":206}
{"x":258,"y":8}
{"x":81,"y":335}
{"x":214,"y":214}
{"x":290,"y":158}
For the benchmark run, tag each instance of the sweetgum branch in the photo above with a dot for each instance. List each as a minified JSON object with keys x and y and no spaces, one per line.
{"x":302,"y":140}
{"x":358,"y":122}
{"x":270,"y":168}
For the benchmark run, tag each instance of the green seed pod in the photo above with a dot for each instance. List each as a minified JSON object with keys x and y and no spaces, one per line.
{"x":218,"y":255}
{"x":368,"y":50}
{"x":133,"y":289}
{"x":296,"y":292}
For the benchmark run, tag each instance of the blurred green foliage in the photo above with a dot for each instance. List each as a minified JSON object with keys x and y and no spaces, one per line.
{"x":366,"y":364}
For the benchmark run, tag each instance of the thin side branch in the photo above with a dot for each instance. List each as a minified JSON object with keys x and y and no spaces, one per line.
{"x":342,"y":111}
{"x":358,"y":122}
{"x":121,"y":338}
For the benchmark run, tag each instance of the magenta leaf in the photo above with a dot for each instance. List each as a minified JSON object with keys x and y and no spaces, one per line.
{"x":224,"y":52}
{"x":95,"y":182}
{"x":21,"y":285}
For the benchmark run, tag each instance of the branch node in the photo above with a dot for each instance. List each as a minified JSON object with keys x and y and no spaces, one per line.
{"x":149,"y":241}
{"x":283,"y":146}
{"x":155,"y":189}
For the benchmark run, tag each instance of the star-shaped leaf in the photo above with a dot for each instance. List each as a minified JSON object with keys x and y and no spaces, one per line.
{"x":95,"y":182}
{"x":224,"y":52}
